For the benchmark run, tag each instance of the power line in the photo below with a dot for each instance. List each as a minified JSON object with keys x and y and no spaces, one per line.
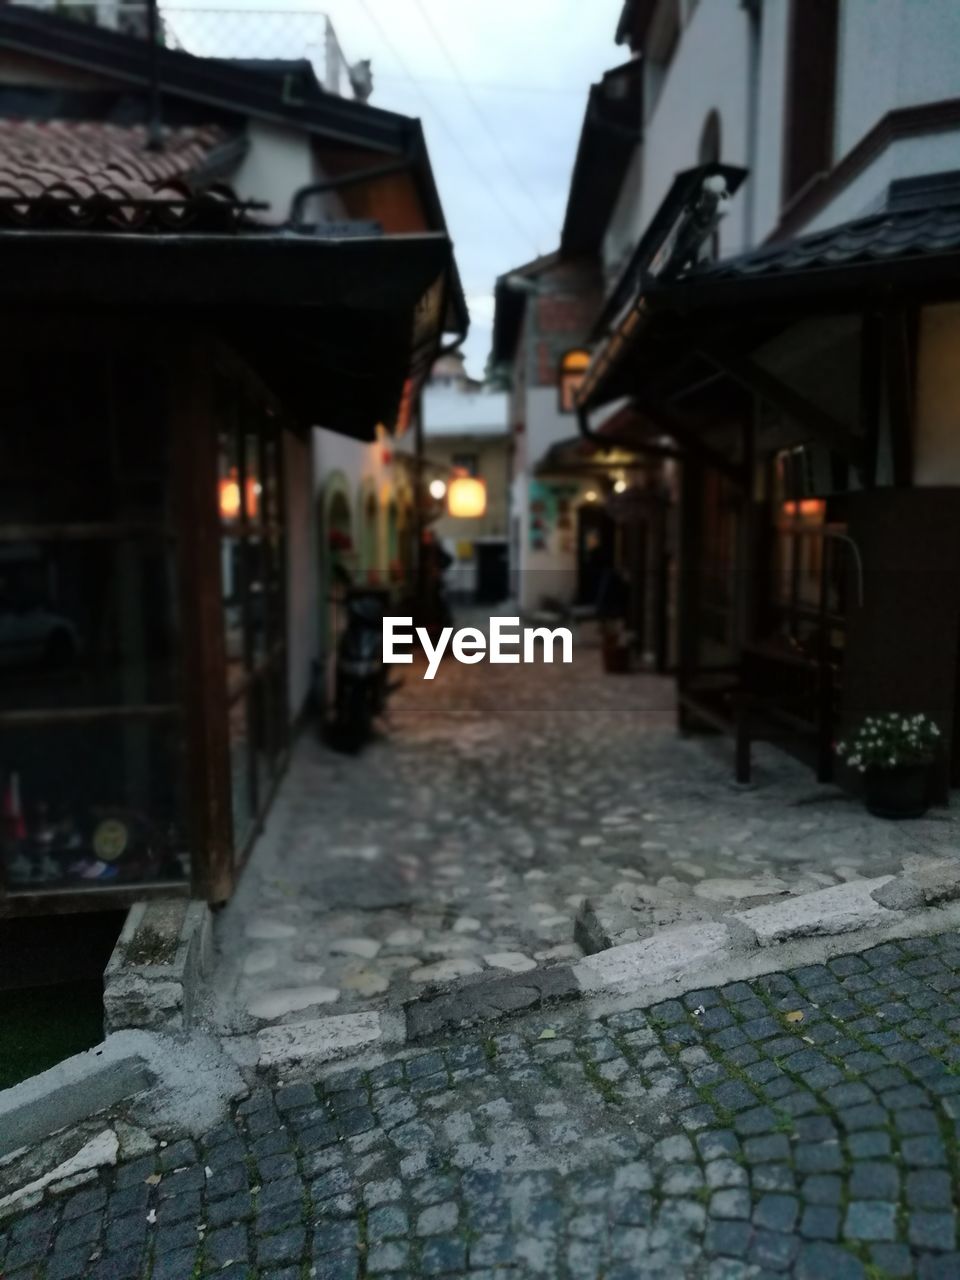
{"x":468,"y":159}
{"x":491,"y":86}
{"x":481,"y":116}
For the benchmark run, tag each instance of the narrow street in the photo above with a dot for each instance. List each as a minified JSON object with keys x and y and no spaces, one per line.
{"x":500,"y":798}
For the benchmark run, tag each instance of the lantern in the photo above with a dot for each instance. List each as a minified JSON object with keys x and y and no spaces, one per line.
{"x":467,"y":497}
{"x":230,"y":495}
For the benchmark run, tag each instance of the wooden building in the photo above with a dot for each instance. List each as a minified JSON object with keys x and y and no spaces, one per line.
{"x":161,"y":347}
{"x":811,"y":389}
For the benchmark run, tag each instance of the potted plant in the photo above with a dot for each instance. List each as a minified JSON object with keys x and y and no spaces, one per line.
{"x":895,"y":753}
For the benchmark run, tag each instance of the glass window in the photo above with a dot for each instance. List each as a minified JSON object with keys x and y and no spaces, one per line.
{"x":91,"y":735}
{"x":92,"y":804}
{"x":253,"y":585}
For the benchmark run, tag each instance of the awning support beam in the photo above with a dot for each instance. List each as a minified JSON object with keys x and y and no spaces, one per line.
{"x":823,"y":426}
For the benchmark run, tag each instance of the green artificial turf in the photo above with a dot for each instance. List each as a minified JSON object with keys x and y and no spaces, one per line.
{"x":40,"y":1026}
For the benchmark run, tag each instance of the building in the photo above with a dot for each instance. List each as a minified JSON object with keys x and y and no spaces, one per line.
{"x":543,"y":310}
{"x":465,"y":434}
{"x":799,"y":354}
{"x":184,"y":297}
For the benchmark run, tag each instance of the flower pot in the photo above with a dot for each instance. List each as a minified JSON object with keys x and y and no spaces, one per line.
{"x":901,"y":792}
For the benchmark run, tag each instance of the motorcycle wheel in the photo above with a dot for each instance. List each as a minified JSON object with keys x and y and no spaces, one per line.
{"x":354,"y":716}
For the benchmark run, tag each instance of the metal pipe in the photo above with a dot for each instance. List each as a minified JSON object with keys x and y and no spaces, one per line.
{"x":303,"y":194}
{"x":154,"y":124}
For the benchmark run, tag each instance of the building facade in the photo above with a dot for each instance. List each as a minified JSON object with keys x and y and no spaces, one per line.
{"x":776,"y":347}
{"x":465,"y":435}
{"x":163,"y":533}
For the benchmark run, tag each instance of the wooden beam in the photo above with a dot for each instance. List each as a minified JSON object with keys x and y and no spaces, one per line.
{"x":195,"y":418}
{"x":822,"y":426}
{"x":899,"y":388}
{"x":871,"y":387}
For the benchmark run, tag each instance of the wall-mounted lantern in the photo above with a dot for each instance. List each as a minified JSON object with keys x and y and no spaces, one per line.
{"x":467,"y":497}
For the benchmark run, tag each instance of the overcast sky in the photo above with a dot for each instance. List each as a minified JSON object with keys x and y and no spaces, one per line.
{"x":500,"y":85}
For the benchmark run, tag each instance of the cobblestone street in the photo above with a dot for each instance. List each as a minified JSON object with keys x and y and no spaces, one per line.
{"x":801,"y":1124}
{"x":467,"y":838}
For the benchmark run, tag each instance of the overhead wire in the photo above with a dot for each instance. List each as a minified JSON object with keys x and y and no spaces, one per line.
{"x":492,"y":189}
{"x":491,"y":133}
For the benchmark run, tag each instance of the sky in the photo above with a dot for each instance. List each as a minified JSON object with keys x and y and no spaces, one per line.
{"x":500,"y":85}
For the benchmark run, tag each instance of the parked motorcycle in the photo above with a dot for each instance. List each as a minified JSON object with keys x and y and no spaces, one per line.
{"x":362,"y":687}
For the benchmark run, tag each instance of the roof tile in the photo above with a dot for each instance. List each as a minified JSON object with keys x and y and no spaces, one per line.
{"x":75,"y":170}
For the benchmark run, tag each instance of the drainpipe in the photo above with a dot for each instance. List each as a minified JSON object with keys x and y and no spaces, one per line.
{"x":154,"y":127}
{"x":303,"y":194}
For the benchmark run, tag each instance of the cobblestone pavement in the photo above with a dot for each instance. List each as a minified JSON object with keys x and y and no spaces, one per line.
{"x":802,"y":1125}
{"x":468,"y":837}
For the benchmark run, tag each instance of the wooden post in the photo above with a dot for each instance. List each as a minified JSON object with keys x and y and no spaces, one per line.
{"x":194,"y":436}
{"x":688,"y":601}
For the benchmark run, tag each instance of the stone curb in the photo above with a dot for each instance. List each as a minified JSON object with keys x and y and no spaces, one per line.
{"x":850,"y":916}
{"x":154,"y":975}
{"x":69,"y":1092}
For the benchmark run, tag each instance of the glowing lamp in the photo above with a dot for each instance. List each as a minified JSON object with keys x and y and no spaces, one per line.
{"x":230,"y":496}
{"x":438,"y":489}
{"x":590,"y":495}
{"x":467,"y":498}
{"x":620,"y":486}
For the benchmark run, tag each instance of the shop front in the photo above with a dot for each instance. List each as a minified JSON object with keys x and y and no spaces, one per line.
{"x":146,"y":594}
{"x":808,"y":387}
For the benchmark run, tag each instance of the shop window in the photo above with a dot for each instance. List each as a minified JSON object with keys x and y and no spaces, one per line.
{"x":805,"y":607}
{"x":253,"y":588}
{"x":573,"y":367}
{"x":92,"y":777}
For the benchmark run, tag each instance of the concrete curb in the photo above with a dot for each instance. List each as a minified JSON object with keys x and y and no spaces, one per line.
{"x":69,"y":1092}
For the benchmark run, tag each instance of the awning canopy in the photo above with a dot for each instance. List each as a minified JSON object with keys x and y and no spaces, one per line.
{"x":340,"y":329}
{"x":670,"y":327}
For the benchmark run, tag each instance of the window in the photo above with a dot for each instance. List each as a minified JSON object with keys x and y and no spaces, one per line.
{"x":811,"y":93}
{"x":92,"y":765}
{"x":805,"y":604}
{"x":253,"y":584}
{"x":573,"y":367}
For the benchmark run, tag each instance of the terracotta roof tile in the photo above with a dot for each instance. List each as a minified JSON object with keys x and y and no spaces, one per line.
{"x":79,"y":171}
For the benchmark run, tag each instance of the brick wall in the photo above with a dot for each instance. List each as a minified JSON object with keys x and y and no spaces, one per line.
{"x":560,"y":316}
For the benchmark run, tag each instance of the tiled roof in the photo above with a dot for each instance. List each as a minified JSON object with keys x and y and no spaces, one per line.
{"x":81,"y":173}
{"x":892,"y":234}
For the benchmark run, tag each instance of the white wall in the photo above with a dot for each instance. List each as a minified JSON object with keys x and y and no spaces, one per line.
{"x":891,"y":54}
{"x":709,"y":72}
{"x":302,"y":617}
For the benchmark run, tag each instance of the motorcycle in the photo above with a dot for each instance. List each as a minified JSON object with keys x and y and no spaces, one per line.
{"x":362,"y":687}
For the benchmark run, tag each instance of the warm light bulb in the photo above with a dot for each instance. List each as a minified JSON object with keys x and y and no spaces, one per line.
{"x":619,"y":486}
{"x":590,"y":495}
{"x":467,"y":498}
{"x":437,"y":489}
